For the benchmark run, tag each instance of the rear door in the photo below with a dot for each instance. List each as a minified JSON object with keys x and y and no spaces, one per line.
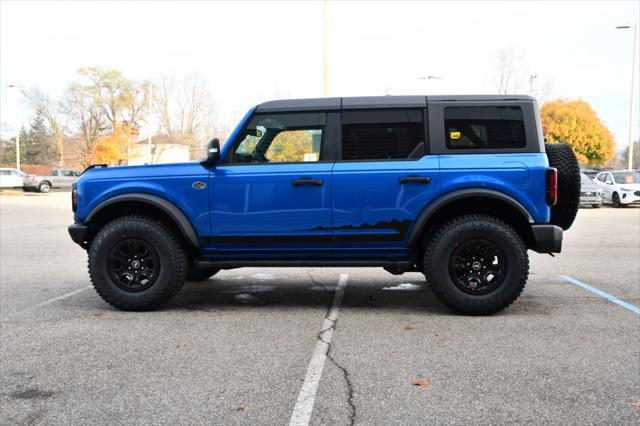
{"x":384,"y":179}
{"x":273,"y":189}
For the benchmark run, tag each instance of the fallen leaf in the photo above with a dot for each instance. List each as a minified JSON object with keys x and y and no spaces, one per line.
{"x":421,"y":383}
{"x":240,"y":407}
{"x":408,"y":327}
{"x":636,"y":404}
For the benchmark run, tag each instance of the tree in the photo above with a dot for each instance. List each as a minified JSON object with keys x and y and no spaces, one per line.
{"x":87,"y":115}
{"x":120,"y":99}
{"x":55,"y":120}
{"x":636,"y":156}
{"x":576,"y":124}
{"x":507,"y":61}
{"x":185,"y":109}
{"x":114,"y":148}
{"x":37,"y":147}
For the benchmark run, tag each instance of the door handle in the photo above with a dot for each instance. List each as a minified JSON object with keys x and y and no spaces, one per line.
{"x":415,"y":179}
{"x":313,"y":182}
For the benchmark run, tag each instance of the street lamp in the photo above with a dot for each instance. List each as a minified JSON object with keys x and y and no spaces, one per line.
{"x":13,"y":86}
{"x":633,"y":63}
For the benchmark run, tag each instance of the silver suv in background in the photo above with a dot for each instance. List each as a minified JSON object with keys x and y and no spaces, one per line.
{"x":59,"y":178}
{"x":590,"y":194}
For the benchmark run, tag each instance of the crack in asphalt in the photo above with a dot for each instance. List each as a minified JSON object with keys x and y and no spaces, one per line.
{"x":319,"y":284}
{"x":345,"y":373}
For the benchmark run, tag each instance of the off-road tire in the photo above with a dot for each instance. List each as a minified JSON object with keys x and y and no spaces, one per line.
{"x":561,"y":157}
{"x":44,"y":187}
{"x":448,"y":237}
{"x":171,"y":255}
{"x":195,"y":273}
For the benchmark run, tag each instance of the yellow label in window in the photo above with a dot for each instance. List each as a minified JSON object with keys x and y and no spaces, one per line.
{"x":454,"y":135}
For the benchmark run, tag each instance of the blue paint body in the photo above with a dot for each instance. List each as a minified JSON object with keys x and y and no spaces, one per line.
{"x":361,"y":210}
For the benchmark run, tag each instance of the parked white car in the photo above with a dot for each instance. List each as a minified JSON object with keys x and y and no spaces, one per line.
{"x":619,"y":187}
{"x":11,"y":178}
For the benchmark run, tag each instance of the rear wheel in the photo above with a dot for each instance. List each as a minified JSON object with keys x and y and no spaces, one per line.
{"x":136,"y":264}
{"x":561,"y":157}
{"x":476,"y":264}
{"x":44,"y":187}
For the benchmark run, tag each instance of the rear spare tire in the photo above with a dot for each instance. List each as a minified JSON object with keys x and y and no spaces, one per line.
{"x":562,"y":158}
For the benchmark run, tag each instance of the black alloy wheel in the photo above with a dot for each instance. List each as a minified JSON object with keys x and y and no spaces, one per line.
{"x":133,"y":265}
{"x":477,"y":266}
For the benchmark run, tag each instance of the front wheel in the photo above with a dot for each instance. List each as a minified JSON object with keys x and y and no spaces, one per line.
{"x":136,"y":263}
{"x":615,"y":199}
{"x":596,"y":206}
{"x":476,"y":265}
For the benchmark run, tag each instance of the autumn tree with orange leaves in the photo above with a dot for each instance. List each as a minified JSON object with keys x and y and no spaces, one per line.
{"x":114,"y":149}
{"x":577,"y":124}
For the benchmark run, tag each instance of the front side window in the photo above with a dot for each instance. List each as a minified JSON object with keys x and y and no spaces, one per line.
{"x":484,"y":127}
{"x":68,"y":173}
{"x":280,"y":138}
{"x":382,"y":135}
{"x":608,"y":179}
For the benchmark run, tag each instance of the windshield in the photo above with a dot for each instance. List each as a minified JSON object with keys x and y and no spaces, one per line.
{"x":584,"y":179}
{"x":626,"y":177}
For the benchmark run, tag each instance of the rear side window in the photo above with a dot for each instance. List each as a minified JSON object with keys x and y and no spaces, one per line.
{"x":382,"y":135}
{"x":484,"y":127}
{"x":54,"y":173}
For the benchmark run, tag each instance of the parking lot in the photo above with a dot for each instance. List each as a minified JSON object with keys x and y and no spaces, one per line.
{"x":244,"y":346}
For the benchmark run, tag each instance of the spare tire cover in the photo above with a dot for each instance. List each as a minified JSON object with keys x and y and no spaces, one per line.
{"x":561,"y":157}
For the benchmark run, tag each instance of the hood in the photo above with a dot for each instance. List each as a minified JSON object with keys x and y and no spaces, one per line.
{"x":143,"y":171}
{"x":589,"y":187}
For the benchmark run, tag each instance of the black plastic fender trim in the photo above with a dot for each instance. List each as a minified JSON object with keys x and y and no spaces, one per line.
{"x":433,"y":207}
{"x":166,"y":206}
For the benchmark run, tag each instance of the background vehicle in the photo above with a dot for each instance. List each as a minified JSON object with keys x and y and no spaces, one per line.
{"x":59,"y":178}
{"x":620,"y":188}
{"x":590,"y":193}
{"x":456,"y":187}
{"x":11,"y":178}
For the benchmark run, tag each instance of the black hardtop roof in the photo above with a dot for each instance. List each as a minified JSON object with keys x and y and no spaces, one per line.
{"x":368,"y":102}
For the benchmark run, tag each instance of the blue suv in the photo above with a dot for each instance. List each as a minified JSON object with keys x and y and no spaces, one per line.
{"x":455,"y":187}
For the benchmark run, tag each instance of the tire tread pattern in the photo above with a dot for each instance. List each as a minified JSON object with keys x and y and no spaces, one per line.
{"x":481,"y":306}
{"x":562,"y":157}
{"x":177,"y":256}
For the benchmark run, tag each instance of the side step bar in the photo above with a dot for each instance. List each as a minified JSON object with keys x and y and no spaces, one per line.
{"x":227,"y":264}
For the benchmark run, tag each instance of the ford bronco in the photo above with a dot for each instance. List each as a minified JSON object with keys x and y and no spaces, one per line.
{"x":455,"y":187}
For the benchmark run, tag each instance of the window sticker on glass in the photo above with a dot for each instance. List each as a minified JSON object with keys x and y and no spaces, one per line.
{"x":311,"y":157}
{"x":454,"y":135}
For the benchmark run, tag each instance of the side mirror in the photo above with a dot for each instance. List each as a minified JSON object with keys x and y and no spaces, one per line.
{"x":213,"y":151}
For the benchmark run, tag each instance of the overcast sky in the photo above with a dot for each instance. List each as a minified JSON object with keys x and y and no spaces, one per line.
{"x":250,"y":52}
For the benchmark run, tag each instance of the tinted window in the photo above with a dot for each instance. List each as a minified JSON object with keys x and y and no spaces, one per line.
{"x":382,"y":135}
{"x":5,"y":172}
{"x":54,"y":173}
{"x":484,"y":127}
{"x":280,"y":138}
{"x":68,"y":173}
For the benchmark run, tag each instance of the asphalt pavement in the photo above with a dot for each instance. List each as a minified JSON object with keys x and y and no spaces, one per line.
{"x":246,"y":346}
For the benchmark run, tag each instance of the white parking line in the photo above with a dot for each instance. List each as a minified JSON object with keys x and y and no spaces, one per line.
{"x":50,"y":301}
{"x":22,"y":225}
{"x":304,"y":406}
{"x":601,"y":293}
{"x":616,"y":224}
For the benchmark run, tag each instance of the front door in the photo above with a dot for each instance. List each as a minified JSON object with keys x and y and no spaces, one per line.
{"x":273,"y":188}
{"x":383,"y":181}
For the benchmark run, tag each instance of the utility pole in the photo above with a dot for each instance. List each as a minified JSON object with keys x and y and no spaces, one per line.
{"x":633,"y":73}
{"x":531,"y":78}
{"x":325,"y":67}
{"x":150,"y":109}
{"x":13,"y":86}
